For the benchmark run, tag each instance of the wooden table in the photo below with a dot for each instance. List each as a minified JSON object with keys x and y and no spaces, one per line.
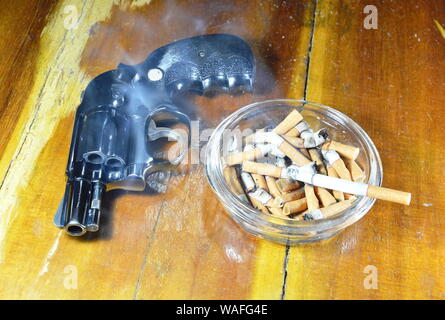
{"x":181,"y":244}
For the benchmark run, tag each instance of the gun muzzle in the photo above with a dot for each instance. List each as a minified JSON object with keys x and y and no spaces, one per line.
{"x":80,"y":210}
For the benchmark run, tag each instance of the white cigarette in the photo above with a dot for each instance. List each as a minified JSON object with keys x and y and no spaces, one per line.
{"x":307,"y":175}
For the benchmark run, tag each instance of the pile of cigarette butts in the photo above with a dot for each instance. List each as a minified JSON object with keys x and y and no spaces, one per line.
{"x":292,"y":172}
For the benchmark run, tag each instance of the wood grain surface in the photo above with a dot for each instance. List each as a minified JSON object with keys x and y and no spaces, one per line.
{"x":181,"y":243}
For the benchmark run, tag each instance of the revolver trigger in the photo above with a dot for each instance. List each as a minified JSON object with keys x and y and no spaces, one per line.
{"x":155,"y":133}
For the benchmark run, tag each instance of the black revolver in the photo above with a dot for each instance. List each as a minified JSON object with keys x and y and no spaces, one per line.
{"x":125,"y":111}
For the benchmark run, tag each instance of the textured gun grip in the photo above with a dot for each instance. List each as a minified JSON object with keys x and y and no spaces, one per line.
{"x":233,"y":75}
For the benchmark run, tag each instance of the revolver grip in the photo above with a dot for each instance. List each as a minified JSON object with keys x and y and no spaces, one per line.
{"x":205,"y":65}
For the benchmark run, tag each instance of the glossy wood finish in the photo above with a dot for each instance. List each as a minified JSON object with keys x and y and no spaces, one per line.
{"x":181,"y":244}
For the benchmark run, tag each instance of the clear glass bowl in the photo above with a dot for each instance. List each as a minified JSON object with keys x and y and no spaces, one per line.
{"x":261,"y":114}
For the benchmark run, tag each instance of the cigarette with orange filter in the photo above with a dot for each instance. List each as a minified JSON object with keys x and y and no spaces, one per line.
{"x":293,"y":195}
{"x":286,"y":185}
{"x":273,"y":188}
{"x":295,"y":206}
{"x":337,"y":163}
{"x":266,"y":198}
{"x":325,"y":197}
{"x":345,"y":150}
{"x":304,"y":174}
{"x":260,"y":181}
{"x":295,"y":141}
{"x":327,"y":211}
{"x":317,"y":158}
{"x":311,"y":198}
{"x":291,"y":120}
{"x":357,"y":173}
{"x":249,"y":154}
{"x":258,"y":205}
{"x":283,"y":145}
{"x":298,"y":129}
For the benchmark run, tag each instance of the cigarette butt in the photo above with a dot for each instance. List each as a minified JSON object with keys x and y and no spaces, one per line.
{"x":344,"y":150}
{"x":316,"y":157}
{"x":266,"y":198}
{"x":275,"y":203}
{"x":291,"y":120}
{"x":298,"y":129}
{"x":293,"y":132}
{"x":239,"y":157}
{"x":273,"y":188}
{"x":389,"y":195}
{"x":286,"y":185}
{"x":357,"y":173}
{"x":260,"y":181}
{"x":343,"y":173}
{"x":341,"y":169}
{"x":295,"y":206}
{"x":325,"y":197}
{"x":336,"y":208}
{"x":294,"y":154}
{"x":262,"y":169}
{"x":292,"y":196}
{"x":311,"y":198}
{"x":258,"y":205}
{"x":248,"y":182}
{"x":305,"y":152}
{"x":338,"y":195}
{"x":295,"y":141}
